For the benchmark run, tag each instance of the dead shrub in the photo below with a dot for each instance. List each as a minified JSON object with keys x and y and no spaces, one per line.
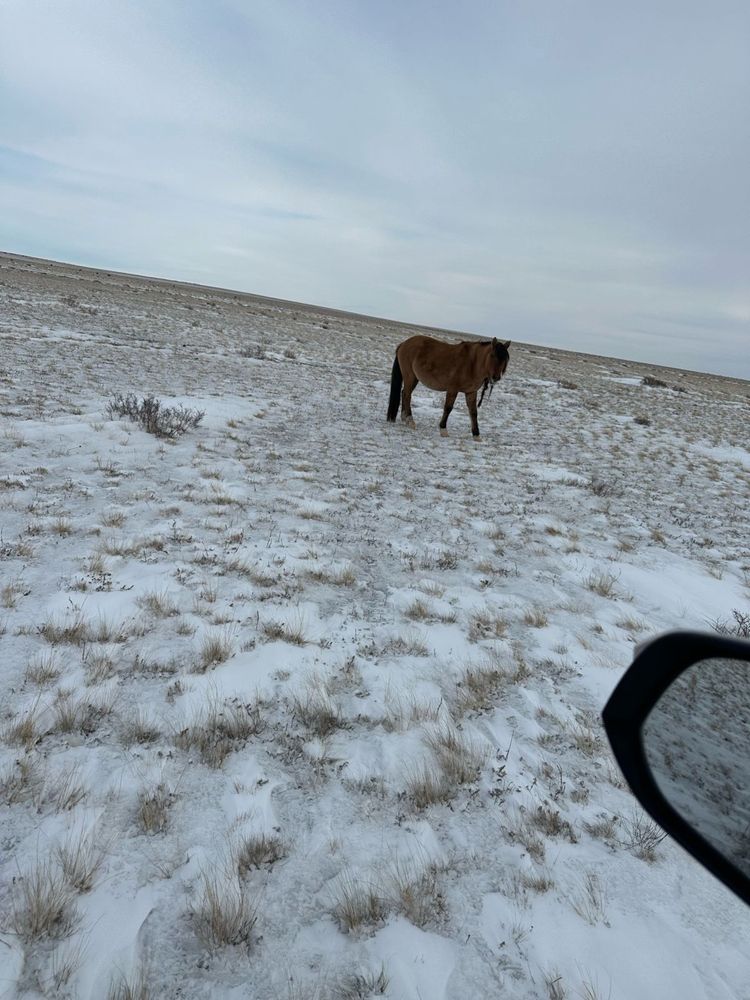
{"x":153,"y":416}
{"x":643,"y":836}
{"x":740,"y":627}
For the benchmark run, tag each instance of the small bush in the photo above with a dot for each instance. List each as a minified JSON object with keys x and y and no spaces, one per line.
{"x":740,"y":627}
{"x":154,"y":418}
{"x":644,"y":836}
{"x":654,"y":383}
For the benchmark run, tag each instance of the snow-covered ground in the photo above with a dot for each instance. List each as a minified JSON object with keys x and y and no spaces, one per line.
{"x":341,"y":675}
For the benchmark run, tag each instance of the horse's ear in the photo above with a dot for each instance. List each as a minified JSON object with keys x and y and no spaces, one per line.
{"x":506,"y":345}
{"x":494,"y":341}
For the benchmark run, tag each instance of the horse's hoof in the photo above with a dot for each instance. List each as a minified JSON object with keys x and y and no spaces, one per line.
{"x":410,"y":423}
{"x":443,"y":432}
{"x":477,"y":437}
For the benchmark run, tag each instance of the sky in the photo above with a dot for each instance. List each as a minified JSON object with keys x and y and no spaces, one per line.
{"x":574,"y":174}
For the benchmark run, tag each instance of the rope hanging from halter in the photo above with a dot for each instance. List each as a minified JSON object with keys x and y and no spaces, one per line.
{"x":485,"y":385}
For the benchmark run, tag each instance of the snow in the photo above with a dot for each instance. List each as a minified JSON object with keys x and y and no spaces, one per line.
{"x":353,"y":571}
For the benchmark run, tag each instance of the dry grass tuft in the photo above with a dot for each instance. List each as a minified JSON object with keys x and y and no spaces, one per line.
{"x":409,"y":644}
{"x":153,"y":808}
{"x":360,"y":986}
{"x":223,"y":913}
{"x":74,"y":714}
{"x":293,"y":632}
{"x":74,"y":630}
{"x":259,"y":850}
{"x":133,"y":988}
{"x":80,"y":859}
{"x":216,"y":648}
{"x":23,"y":730}
{"x":68,"y":790}
{"x":602,"y":584}
{"x":589,"y":900}
{"x":139,"y":729}
{"x":220,"y":729}
{"x":480,"y":687}
{"x":159,"y":603}
{"x":43,"y":670}
{"x":43,"y":905}
{"x":535,"y":618}
{"x":552,"y":823}
{"x":486,"y":624}
{"x":603,"y":828}
{"x":21,"y":782}
{"x":357,"y":903}
{"x":460,"y":757}
{"x":416,"y":893}
{"x":426,"y":784}
{"x":316,"y":710}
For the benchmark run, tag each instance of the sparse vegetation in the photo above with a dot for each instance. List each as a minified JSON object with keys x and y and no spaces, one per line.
{"x":153,"y":416}
{"x":223,"y":913}
{"x":259,"y":850}
{"x":740,"y":627}
{"x":357,"y":903}
{"x":154,"y":805}
{"x":219,"y":729}
{"x":43,"y":905}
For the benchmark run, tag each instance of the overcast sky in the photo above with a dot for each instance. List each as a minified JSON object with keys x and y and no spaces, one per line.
{"x":568,"y":172}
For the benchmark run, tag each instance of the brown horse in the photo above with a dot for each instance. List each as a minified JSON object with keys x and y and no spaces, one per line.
{"x":448,"y":368}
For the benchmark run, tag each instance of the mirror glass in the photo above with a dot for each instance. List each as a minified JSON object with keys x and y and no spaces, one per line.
{"x":697,"y":744}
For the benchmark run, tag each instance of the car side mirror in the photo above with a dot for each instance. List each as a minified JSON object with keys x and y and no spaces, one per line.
{"x":679,"y":726}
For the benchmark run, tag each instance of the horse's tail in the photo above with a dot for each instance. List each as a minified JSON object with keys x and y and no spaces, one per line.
{"x":396,"y":382}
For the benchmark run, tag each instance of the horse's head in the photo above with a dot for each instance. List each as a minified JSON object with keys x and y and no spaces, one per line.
{"x":498,"y":359}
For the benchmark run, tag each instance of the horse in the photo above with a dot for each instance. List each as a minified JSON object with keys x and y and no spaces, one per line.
{"x":448,"y":368}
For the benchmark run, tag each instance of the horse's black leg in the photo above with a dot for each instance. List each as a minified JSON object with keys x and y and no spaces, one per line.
{"x":450,"y":399}
{"x":471,"y":402}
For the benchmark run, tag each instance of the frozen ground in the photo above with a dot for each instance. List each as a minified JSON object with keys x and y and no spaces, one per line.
{"x":342,"y":676}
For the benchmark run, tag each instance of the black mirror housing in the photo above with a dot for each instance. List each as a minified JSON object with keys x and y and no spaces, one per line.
{"x":656,"y":667}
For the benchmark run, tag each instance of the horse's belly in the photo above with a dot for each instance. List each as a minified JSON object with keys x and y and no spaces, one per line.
{"x":430,"y":381}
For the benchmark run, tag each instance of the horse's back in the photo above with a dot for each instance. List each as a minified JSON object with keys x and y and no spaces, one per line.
{"x":435,"y":363}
